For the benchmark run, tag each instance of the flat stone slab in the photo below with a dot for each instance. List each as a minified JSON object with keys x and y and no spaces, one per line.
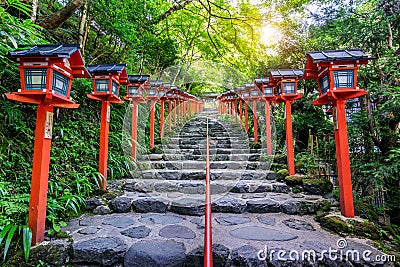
{"x":267,"y":220}
{"x":155,"y":253}
{"x":160,"y":219}
{"x":261,"y":234}
{"x":232,"y":220}
{"x":105,"y":251}
{"x":177,"y":231}
{"x":298,"y":224}
{"x":119,"y":222}
{"x":188,"y":206}
{"x":89,"y":230}
{"x":137,"y":232}
{"x":228,"y":204}
{"x":149,"y":204}
{"x":247,"y":256}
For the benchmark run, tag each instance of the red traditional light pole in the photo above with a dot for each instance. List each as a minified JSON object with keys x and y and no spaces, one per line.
{"x":106,"y":83}
{"x":268,"y":95}
{"x":255,"y":96}
{"x":239,"y":92}
{"x":246,"y":97}
{"x":285,"y":81}
{"x":46,"y":74}
{"x":336,"y":74}
{"x":152,"y":95}
{"x":136,"y":95}
{"x":161,"y":98}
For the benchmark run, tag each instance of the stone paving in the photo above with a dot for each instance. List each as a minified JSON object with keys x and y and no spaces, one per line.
{"x":154,"y":239}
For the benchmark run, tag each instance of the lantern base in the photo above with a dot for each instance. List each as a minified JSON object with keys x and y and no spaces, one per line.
{"x":287,"y":97}
{"x":338,"y":94}
{"x":106,"y":97}
{"x":40,"y":98}
{"x":269,"y":98}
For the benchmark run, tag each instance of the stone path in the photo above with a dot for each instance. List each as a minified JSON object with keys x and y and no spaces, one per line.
{"x":154,"y":239}
{"x":158,"y":220}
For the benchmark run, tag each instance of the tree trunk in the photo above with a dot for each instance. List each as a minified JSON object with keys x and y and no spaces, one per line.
{"x":82,"y":23}
{"x":56,"y":19}
{"x":34,"y":10}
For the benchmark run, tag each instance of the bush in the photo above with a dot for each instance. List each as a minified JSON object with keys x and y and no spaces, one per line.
{"x":280,"y":175}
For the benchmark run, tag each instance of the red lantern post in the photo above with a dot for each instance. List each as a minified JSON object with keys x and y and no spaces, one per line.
{"x":152,"y":95}
{"x":285,"y":81}
{"x":336,"y":74}
{"x":46,"y":74}
{"x":268,"y":95}
{"x":136,"y":94}
{"x":106,"y":83}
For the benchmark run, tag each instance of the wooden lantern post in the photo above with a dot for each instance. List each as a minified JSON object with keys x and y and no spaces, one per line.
{"x":285,"y":81}
{"x":336,"y":74}
{"x":106,"y":84}
{"x":169,"y":96}
{"x":269,"y":96}
{"x":152,"y":95}
{"x":46,"y":74}
{"x":246,"y":97}
{"x":161,"y":98}
{"x":239,"y":92}
{"x":136,"y":95}
{"x":255,"y":96}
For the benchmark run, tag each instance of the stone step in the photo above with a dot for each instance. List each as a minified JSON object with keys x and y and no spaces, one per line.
{"x":213,"y":151}
{"x":202,"y":145}
{"x":197,"y":164}
{"x":198,"y":187}
{"x":219,"y":139}
{"x":217,"y":174}
{"x":200,"y":156}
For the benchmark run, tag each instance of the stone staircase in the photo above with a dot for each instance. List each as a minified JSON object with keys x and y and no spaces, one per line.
{"x":158,"y":217}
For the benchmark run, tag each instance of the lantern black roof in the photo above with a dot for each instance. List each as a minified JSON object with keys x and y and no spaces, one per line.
{"x":261,"y":81}
{"x":107,"y":68}
{"x":50,"y":50}
{"x":335,"y":55}
{"x":286,"y":73}
{"x":138,"y":78}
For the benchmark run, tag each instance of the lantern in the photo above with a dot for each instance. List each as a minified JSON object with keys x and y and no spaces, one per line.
{"x":135,"y":87}
{"x":155,"y":87}
{"x":107,"y":80}
{"x":285,"y":81}
{"x":336,"y":73}
{"x":46,"y":74}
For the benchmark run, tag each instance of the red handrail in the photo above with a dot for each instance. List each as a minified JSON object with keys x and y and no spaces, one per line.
{"x":208,"y":231}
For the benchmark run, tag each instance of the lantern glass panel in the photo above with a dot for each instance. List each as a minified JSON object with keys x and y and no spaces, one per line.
{"x":324,"y":83}
{"x":289,"y":87}
{"x":115,"y":88}
{"x":161,"y":93}
{"x":60,"y":83}
{"x":343,"y":78}
{"x":151,"y":92}
{"x":268,"y":91}
{"x":169,"y":94}
{"x":102,"y":86}
{"x":35,"y":79}
{"x":246,"y":94}
{"x":254,"y":92}
{"x":133,"y":90}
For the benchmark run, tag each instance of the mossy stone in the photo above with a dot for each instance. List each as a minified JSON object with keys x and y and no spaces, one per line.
{"x":297,"y":189}
{"x":335,"y":224}
{"x":293,"y":180}
{"x":317,"y":186}
{"x":366,"y":229}
{"x":280,"y":158}
{"x":281,"y":174}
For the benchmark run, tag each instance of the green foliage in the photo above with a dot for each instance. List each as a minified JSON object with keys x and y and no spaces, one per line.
{"x":9,"y":232}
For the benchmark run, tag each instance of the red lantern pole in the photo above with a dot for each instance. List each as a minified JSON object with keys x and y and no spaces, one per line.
{"x":162,"y":118}
{"x":175,"y":107}
{"x":134,"y":130}
{"x":40,"y":172}
{"x":241,"y":113}
{"x":255,"y":128}
{"x":232,"y":111}
{"x":343,"y":160}
{"x":268,"y":127}
{"x":152,"y":107}
{"x":103,"y":155}
{"x":169,"y":115}
{"x":289,"y":137}
{"x":246,"y":114}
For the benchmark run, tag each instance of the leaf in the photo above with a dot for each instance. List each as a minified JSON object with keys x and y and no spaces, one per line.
{"x":56,"y":228}
{"x":8,"y":240}
{"x":27,"y":241}
{"x":63,"y":224}
{"x":4,"y":232}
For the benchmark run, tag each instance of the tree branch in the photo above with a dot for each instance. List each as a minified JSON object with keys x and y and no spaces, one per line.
{"x":54,"y":20}
{"x":171,"y":10}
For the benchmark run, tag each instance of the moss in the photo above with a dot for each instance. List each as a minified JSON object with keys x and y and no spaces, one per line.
{"x":325,"y":206}
{"x":280,"y":175}
{"x":317,"y":186}
{"x":297,"y":189}
{"x":294,"y":180}
{"x":156,"y":149}
{"x":367,"y":229}
{"x":280,"y":159}
{"x":277,"y":166}
{"x":255,"y":145}
{"x":300,"y":167}
{"x":334,"y":224}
